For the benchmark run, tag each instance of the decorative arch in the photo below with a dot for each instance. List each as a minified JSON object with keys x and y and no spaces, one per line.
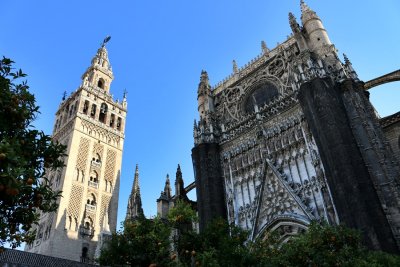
{"x":260,"y":94}
{"x":103,"y":112}
{"x":100,"y":83}
{"x":285,"y":226}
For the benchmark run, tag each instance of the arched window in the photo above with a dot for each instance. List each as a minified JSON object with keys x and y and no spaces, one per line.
{"x":93,"y":110}
{"x":94,"y":177}
{"x":83,"y":176}
{"x":85,"y":107}
{"x":100,"y":83}
{"x":260,"y":95}
{"x":106,"y":185}
{"x":96,"y":158}
{"x":119,"y":123}
{"x":84,"y":254}
{"x":111,"y":187}
{"x":112,"y":119}
{"x":71,"y":110}
{"x":69,"y":222}
{"x":103,"y":112}
{"x":91,"y":200}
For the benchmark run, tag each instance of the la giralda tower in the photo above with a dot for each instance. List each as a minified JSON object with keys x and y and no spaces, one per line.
{"x":91,"y":124}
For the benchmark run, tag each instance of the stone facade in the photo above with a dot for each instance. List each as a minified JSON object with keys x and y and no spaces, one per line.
{"x":292,"y":137}
{"x":391,"y":129}
{"x":91,"y":124}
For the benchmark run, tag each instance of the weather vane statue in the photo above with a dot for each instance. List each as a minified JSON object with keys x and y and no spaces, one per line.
{"x":108,"y":37}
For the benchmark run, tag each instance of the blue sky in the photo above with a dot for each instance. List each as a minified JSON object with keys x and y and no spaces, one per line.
{"x":157,"y":51}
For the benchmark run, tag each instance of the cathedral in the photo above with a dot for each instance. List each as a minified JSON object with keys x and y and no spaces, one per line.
{"x":292,"y":137}
{"x":91,"y":124}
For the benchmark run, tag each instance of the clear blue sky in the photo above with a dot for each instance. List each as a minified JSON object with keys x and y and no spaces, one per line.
{"x":157,"y":51}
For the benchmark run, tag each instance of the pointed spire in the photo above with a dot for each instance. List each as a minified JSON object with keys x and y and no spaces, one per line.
{"x":349,"y":68}
{"x":179,"y":186}
{"x":303,"y":6}
{"x":293,"y":23}
{"x":235,"y":67}
{"x":307,"y":13}
{"x":99,"y":74}
{"x":204,"y":77}
{"x":167,"y":187}
{"x":346,"y":59}
{"x":136,"y":187}
{"x":264,"y":47}
{"x":135,"y":209}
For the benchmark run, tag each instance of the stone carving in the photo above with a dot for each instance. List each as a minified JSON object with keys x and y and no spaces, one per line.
{"x":75,"y":201}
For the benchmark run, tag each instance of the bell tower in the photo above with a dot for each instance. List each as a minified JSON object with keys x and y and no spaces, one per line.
{"x":91,"y":124}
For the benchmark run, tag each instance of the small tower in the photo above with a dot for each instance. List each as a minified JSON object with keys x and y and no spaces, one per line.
{"x":314,"y":29}
{"x":91,"y":124}
{"x":134,"y":209}
{"x":204,"y":100}
{"x":164,"y":201}
{"x":179,"y":185}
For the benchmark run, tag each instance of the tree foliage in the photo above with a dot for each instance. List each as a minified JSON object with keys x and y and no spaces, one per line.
{"x":25,"y":156}
{"x":225,"y":245}
{"x":142,"y":242}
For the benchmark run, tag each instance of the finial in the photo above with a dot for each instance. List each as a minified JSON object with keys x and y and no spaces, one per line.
{"x":346,"y":59}
{"x":64,"y":95}
{"x":293,"y":23}
{"x":303,"y":6}
{"x":167,"y":179}
{"x":204,"y":76}
{"x":125,"y":93}
{"x":137,"y":169}
{"x":264,"y":47}
{"x":235,"y":67}
{"x":106,"y":40}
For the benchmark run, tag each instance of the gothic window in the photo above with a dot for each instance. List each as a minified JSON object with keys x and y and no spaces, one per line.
{"x":261,"y":95}
{"x":119,"y":122}
{"x":93,"y":110}
{"x":111,"y":187}
{"x":85,"y":107}
{"x":76,"y":224}
{"x":112,"y":119}
{"x":59,"y":123}
{"x":77,"y":174}
{"x":100,"y":83}
{"x":106,"y":185}
{"x":69,"y":222}
{"x":83,"y":176}
{"x":71,"y":110}
{"x":103,"y":112}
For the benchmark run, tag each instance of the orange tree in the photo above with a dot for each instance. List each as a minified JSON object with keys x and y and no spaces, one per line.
{"x":25,"y":156}
{"x":143,"y":242}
